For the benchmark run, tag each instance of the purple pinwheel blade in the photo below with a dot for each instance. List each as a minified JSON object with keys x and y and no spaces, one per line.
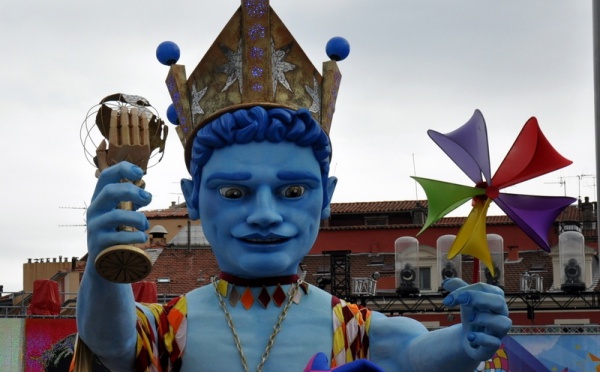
{"x":467,"y":146}
{"x":534,"y":214}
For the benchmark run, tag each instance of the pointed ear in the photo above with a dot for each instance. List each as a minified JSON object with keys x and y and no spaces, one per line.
{"x":328,"y":194}
{"x":187,"y":187}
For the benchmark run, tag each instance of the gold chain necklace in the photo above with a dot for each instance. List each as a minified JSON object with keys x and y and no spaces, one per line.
{"x":276,"y":327}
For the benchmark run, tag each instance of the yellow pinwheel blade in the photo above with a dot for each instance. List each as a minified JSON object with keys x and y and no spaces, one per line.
{"x":472,"y":239}
{"x":444,"y":197}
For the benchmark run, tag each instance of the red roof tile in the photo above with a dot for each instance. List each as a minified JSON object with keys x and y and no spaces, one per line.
{"x":377,"y":207}
{"x":167,"y":213}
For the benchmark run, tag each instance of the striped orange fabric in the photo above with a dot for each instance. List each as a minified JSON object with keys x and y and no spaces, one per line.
{"x":161,"y":351}
{"x":350,"y":332}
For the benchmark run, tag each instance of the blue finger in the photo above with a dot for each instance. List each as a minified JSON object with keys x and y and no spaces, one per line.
{"x":457,"y":298}
{"x":114,"y":174}
{"x":453,"y":284}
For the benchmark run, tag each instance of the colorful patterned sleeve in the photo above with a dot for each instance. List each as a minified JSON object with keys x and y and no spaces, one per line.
{"x":161,"y":332}
{"x":350,"y":332}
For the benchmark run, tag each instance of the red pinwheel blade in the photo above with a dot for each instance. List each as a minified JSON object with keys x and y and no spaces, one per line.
{"x":467,"y":146}
{"x":535,"y":215}
{"x":530,"y":156}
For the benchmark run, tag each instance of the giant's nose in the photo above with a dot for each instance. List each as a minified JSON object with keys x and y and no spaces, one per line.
{"x":265,"y":208}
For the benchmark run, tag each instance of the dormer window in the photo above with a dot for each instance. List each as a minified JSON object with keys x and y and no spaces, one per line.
{"x":569,"y":226}
{"x":376,"y":220}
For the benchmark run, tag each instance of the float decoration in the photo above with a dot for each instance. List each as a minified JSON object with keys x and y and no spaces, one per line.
{"x":530,"y":156}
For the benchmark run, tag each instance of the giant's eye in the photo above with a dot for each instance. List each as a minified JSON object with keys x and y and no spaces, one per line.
{"x":231,"y":192}
{"x":294,"y":191}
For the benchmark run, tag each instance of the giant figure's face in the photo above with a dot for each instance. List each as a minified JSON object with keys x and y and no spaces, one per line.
{"x":260,"y":205}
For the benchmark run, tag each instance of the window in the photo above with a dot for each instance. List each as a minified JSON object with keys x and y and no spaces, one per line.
{"x":425,"y":278}
{"x":536,"y":267}
{"x":569,"y":226}
{"x":376,"y":220}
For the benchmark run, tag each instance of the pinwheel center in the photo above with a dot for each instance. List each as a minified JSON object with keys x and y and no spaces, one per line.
{"x":491,"y":192}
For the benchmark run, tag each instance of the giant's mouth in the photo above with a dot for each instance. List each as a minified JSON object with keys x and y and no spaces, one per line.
{"x":271,"y":239}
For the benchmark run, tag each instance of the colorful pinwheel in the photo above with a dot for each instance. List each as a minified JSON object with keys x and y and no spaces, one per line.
{"x":530,"y":156}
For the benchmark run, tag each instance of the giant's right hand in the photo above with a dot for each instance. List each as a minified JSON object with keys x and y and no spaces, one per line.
{"x":106,"y":315}
{"x":103,"y":216}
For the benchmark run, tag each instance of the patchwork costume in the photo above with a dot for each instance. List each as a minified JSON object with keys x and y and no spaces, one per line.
{"x":162,"y":334}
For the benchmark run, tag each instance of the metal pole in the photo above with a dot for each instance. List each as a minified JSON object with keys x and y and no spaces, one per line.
{"x":596,"y":46}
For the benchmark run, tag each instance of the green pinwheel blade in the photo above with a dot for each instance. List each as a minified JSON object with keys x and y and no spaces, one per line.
{"x":444,"y":197}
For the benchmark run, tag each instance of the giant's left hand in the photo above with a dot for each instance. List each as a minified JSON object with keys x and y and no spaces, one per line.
{"x":484,"y":315}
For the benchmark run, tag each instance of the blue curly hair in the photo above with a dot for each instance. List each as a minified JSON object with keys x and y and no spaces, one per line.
{"x":259,"y":124}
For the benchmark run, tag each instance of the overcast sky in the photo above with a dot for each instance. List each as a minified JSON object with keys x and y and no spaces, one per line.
{"x":413,"y":66}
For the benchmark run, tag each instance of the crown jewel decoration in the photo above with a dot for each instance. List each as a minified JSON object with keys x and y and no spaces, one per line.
{"x":255,"y":61}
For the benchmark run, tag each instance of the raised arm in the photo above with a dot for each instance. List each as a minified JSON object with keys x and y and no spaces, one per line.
{"x":402,"y":344}
{"x":106,"y":317}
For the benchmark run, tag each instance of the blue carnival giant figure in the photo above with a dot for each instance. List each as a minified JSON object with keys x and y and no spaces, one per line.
{"x":260,"y":186}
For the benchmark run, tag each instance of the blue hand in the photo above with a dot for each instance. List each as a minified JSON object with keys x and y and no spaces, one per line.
{"x":103,"y":217}
{"x":484,"y":316}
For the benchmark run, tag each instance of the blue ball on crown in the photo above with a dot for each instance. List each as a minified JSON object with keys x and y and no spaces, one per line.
{"x":167,"y":53}
{"x":337,"y":48}
{"x":172,"y":114}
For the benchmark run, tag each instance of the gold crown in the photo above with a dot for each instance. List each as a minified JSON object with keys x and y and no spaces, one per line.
{"x":255,"y":61}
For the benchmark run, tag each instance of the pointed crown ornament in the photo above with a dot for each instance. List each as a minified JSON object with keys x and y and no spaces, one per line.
{"x":255,"y":61}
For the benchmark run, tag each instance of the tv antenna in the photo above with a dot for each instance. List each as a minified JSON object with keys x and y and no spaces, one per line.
{"x":84,"y":208}
{"x":415,"y":174}
{"x":562,"y":181}
{"x":579,"y":178}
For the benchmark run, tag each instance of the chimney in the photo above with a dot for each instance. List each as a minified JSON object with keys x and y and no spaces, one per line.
{"x":588,"y":214}
{"x":419,"y":214}
{"x":158,"y":236}
{"x":513,"y":253}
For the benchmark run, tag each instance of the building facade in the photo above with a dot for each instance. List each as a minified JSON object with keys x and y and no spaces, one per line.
{"x":355,"y":257}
